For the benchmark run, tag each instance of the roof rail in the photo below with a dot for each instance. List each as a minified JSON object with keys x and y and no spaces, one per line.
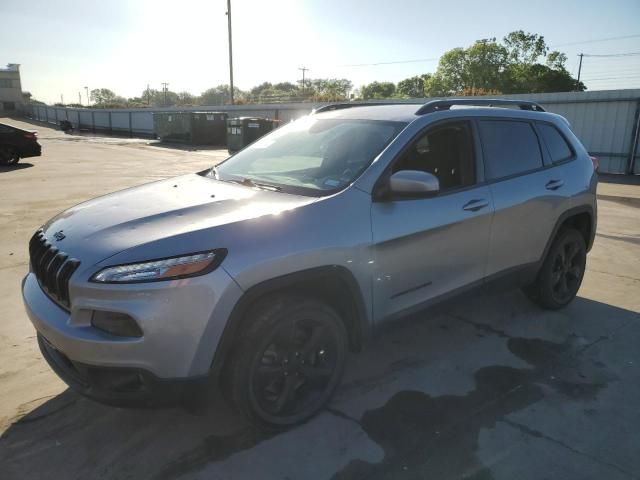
{"x":341,"y":106}
{"x":439,"y":105}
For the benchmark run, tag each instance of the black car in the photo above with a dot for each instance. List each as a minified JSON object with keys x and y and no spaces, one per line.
{"x":16,"y":143}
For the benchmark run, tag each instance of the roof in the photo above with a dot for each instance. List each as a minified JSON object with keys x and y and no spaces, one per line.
{"x":394,"y":112}
{"x":407,"y":112}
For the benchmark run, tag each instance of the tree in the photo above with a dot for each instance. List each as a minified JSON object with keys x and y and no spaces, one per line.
{"x":186,"y":98}
{"x":479,"y":66}
{"x":525,"y":48}
{"x":413,"y":87}
{"x":286,"y":87}
{"x":219,"y":95}
{"x":101,"y":96}
{"x":257,"y":90}
{"x":521,"y":64}
{"x":330,"y":89}
{"x":378,"y":90}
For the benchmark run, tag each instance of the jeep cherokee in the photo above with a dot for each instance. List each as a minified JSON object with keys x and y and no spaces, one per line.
{"x":257,"y":276}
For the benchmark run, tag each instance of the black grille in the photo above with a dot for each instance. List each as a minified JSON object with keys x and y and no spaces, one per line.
{"x":52,"y":268}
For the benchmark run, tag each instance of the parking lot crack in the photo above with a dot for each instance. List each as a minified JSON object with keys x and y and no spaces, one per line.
{"x":538,"y":434}
{"x":483,"y":327}
{"x":338,"y":413}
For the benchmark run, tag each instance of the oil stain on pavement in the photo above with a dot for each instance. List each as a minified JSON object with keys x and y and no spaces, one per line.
{"x":437,"y":437}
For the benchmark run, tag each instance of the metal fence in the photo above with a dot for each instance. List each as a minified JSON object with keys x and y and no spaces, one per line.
{"x":607,"y":121}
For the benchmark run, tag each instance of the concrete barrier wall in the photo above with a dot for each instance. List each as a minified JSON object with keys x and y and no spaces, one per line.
{"x":607,"y":121}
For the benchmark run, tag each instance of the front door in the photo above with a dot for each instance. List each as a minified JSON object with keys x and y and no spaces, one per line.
{"x":424,"y":248}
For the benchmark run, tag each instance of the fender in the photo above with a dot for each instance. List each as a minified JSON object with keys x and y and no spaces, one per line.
{"x":360,"y":329}
{"x":563,"y":218}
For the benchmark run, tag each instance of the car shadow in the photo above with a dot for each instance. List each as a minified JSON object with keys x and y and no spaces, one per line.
{"x":403,"y":391}
{"x":15,"y":167}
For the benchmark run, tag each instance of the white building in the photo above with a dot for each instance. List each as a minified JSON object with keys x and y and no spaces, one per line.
{"x":11,"y":100}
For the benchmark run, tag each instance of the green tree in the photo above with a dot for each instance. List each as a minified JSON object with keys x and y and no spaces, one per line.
{"x":521,"y":64}
{"x":525,"y":48}
{"x":186,"y":98}
{"x":101,"y":96}
{"x":413,"y":87}
{"x":219,"y":95}
{"x":286,"y":87}
{"x":258,"y":89}
{"x":330,"y":89}
{"x":378,"y":90}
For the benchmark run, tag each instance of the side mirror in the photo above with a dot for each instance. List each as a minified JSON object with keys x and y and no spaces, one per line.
{"x":413,"y":184}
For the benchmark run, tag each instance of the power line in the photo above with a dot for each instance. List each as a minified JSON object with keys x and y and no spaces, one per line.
{"x":637,"y":75}
{"x":417,"y":60}
{"x":433,"y":59}
{"x":594,"y":40}
{"x":627,"y":54}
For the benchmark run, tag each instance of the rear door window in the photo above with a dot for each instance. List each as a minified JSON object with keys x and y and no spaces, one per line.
{"x":557,"y":146}
{"x":510,"y":148}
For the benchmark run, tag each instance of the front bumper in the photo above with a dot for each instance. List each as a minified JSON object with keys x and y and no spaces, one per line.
{"x":181,"y":321}
{"x":122,"y":387}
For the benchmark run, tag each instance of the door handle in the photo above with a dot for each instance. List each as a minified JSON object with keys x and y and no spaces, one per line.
{"x":554,"y":184}
{"x":475,"y":205}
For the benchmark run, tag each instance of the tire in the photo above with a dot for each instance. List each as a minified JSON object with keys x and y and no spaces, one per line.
{"x":287,"y":363}
{"x":562,"y":272}
{"x":8,"y":156}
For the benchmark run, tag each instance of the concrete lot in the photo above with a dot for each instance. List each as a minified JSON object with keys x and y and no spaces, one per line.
{"x":486,"y":387}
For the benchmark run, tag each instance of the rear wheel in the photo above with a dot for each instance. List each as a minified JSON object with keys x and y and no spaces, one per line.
{"x":8,"y":156}
{"x":561,"y":274}
{"x":288,"y":362}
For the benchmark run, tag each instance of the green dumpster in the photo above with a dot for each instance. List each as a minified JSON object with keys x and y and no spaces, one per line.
{"x":195,"y":128}
{"x":245,"y":130}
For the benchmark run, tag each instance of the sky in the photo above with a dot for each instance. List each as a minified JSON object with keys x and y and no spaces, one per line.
{"x":125,"y":45}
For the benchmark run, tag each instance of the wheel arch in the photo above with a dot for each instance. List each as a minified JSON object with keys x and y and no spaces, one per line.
{"x":333,"y":284}
{"x":582,"y":219}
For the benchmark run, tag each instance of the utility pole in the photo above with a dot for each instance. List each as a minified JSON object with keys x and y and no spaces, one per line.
{"x":86,"y":89}
{"x":230,"y":51}
{"x":62,"y":99}
{"x":164,"y":90}
{"x":304,"y":70}
{"x":148,"y":96}
{"x":579,"y":71}
{"x":79,"y":99}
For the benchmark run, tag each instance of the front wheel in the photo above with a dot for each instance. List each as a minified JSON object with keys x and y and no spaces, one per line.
{"x":288,"y":362}
{"x":8,"y":156}
{"x":561,"y":274}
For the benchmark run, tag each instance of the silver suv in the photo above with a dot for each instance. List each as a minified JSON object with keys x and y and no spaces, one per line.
{"x":257,"y":276}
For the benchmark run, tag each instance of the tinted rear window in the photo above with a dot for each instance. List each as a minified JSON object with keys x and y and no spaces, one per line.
{"x":555,"y":142}
{"x":509,"y":148}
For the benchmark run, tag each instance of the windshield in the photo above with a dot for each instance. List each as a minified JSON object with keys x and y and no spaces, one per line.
{"x":311,"y":156}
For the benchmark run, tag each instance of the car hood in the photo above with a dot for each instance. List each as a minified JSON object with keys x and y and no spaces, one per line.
{"x":105,"y":226}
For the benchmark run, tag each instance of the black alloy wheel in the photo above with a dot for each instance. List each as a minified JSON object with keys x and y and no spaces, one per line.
{"x":289,"y":363}
{"x":562,"y":271}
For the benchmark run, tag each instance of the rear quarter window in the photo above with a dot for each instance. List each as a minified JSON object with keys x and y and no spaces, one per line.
{"x":509,"y":148}
{"x":559,"y":149}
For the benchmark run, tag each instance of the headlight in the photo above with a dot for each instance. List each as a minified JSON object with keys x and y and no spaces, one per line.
{"x":162,"y":269}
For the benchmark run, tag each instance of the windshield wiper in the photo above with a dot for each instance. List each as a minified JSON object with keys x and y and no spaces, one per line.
{"x":247,"y":182}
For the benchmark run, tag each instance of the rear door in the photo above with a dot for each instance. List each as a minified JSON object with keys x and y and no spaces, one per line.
{"x":522,"y":189}
{"x":427,"y":247}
